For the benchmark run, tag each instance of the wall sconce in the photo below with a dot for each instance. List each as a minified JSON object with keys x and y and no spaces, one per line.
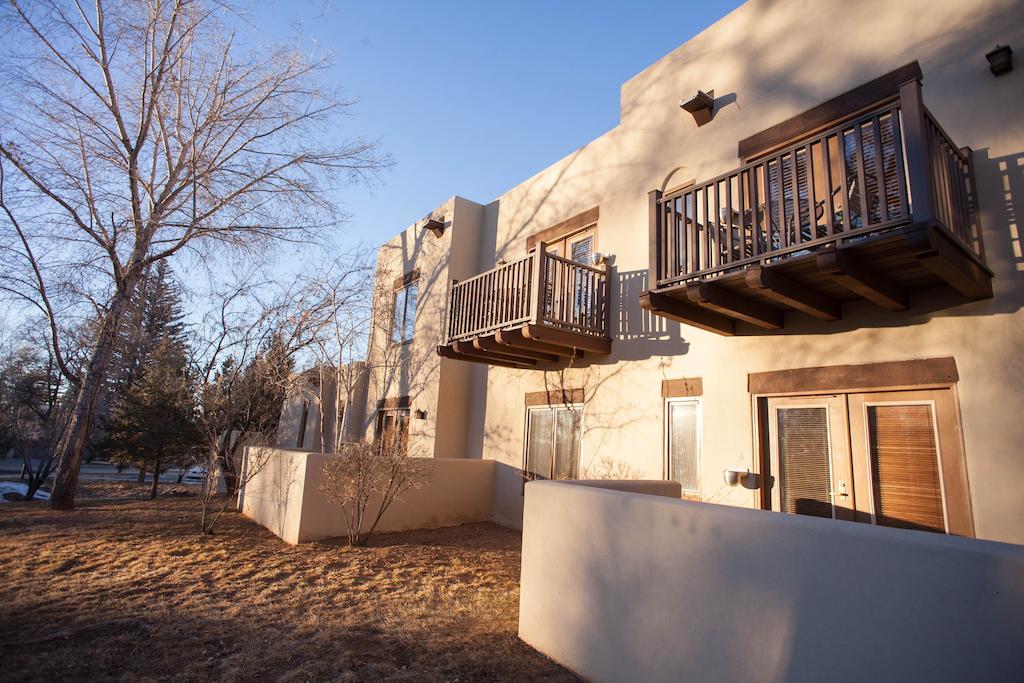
{"x":435,"y":226}
{"x":701,"y":106}
{"x":420,"y":414}
{"x":741,"y":476}
{"x":1000,"y":60}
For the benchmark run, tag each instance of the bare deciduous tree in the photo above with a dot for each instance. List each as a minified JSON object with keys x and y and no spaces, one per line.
{"x":246,"y":351}
{"x":132,"y":132}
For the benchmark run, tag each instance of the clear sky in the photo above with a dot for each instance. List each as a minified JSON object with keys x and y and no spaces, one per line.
{"x":471,"y":98}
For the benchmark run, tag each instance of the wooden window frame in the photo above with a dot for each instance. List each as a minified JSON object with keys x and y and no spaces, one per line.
{"x":666,"y":441}
{"x":402,"y":284}
{"x":529,"y":476}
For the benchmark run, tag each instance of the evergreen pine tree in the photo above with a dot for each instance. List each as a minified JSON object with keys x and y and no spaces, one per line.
{"x":154,"y":422}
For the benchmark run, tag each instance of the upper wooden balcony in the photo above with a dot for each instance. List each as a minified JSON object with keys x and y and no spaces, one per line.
{"x":538,"y":308}
{"x":872,"y":208}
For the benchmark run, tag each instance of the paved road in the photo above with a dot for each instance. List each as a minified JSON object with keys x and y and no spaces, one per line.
{"x":92,"y":471}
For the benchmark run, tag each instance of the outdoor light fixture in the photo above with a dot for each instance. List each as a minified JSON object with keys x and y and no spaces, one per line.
{"x":701,"y":106}
{"x":421,"y":415}
{"x":1000,"y":60}
{"x":435,"y":226}
{"x":597,"y":258}
{"x":736,"y":476}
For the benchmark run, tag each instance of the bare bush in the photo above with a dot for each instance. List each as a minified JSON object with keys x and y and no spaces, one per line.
{"x":364,"y":479}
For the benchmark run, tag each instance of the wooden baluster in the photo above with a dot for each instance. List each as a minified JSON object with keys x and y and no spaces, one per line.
{"x":830,"y":209}
{"x":862,"y":186}
{"x":883,"y":195}
{"x":728,"y":220}
{"x":537,"y":282}
{"x":654,"y":246}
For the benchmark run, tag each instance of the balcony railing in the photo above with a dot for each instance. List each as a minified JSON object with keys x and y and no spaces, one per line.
{"x":888,"y":168}
{"x":536,"y":289}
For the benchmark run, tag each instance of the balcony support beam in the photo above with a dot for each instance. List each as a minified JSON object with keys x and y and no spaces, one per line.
{"x":549,"y":335}
{"x":449,"y":352}
{"x":515,"y":341}
{"x":849,"y":271}
{"x":491,"y":345}
{"x":785,"y":290}
{"x":936,"y":251}
{"x":734,"y":305}
{"x":468,"y":349}
{"x":687,"y":313}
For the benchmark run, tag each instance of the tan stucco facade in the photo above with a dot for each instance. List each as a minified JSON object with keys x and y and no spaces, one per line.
{"x":765,"y":62}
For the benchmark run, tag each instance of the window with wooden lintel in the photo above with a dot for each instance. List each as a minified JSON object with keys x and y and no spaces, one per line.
{"x":553,"y":441}
{"x":404,"y":308}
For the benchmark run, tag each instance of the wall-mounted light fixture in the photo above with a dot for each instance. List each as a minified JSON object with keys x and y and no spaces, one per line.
{"x":435,"y":226}
{"x":701,"y":106}
{"x":1000,"y":60}
{"x":420,"y":414}
{"x":741,"y":476}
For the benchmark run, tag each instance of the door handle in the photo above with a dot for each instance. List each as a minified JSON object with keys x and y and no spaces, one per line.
{"x":841,"y":489}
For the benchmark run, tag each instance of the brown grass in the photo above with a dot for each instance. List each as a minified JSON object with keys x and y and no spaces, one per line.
{"x":126,"y":588}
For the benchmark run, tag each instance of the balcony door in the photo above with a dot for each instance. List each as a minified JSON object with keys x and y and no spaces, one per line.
{"x":885,"y":458}
{"x":568,"y":296}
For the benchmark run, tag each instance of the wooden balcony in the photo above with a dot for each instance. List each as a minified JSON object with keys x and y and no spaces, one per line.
{"x":540,"y":308}
{"x":873,"y":208}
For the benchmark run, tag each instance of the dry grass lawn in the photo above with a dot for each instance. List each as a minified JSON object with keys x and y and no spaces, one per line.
{"x":125,"y":588}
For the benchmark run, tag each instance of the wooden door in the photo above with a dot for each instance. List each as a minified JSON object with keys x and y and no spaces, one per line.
{"x":908,"y":461}
{"x":890,"y":458}
{"x":810,"y":456}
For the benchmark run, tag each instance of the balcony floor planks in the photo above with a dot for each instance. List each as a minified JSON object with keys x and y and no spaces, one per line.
{"x":891,"y":253}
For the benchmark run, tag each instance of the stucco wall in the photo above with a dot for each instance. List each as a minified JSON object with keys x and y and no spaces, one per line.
{"x":627,"y":587}
{"x":286,"y":496}
{"x":768,"y":61}
{"x":414,"y":369}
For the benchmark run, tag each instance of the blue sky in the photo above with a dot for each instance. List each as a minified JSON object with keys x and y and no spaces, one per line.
{"x":471,"y":98}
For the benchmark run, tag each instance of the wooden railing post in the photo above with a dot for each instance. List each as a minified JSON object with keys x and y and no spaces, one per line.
{"x":915,"y":137}
{"x":451,"y":313}
{"x":654,"y":245}
{"x":537,"y":282}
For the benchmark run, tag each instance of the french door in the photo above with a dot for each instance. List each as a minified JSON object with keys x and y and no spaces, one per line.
{"x":886,"y":458}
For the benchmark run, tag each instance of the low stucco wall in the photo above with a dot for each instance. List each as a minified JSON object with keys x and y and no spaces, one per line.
{"x":286,"y":496}
{"x":650,"y":487}
{"x":626,"y":587}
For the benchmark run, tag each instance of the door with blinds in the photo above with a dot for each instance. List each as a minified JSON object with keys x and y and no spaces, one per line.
{"x":886,"y":458}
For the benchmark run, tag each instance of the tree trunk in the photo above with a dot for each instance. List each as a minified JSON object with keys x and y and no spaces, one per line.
{"x":142,"y":472}
{"x":80,"y":425}
{"x":156,"y":478}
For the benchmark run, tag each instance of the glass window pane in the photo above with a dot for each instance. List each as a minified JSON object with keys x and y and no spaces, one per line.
{"x":411,"y":294}
{"x":683,"y":447}
{"x":567,"y":443}
{"x":539,"y":430}
{"x":399,"y":313}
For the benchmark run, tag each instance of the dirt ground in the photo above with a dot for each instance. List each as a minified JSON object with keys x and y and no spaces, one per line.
{"x":126,"y":588}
